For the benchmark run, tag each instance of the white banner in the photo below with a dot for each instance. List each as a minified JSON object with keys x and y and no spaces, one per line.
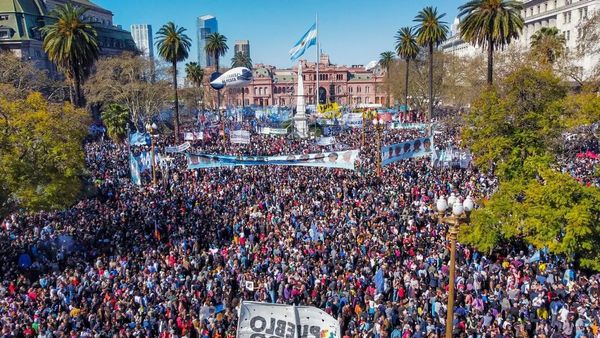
{"x":192,"y":136}
{"x":353,"y":120}
{"x":178,"y":149}
{"x":273,"y":131}
{"x":326,"y":141}
{"x":240,"y":137}
{"x":262,"y":320}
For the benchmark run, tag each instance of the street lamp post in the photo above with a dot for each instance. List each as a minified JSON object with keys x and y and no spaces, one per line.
{"x":151,"y":128}
{"x":379,"y":125}
{"x":460,"y":213}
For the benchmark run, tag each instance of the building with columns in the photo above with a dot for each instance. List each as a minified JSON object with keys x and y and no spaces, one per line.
{"x":20,"y":21}
{"x":566,"y":15}
{"x":346,"y":85}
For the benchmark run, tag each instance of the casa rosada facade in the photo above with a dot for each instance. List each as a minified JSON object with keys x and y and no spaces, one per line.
{"x":345,"y":85}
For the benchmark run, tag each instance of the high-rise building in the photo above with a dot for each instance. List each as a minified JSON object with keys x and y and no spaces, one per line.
{"x":206,"y":25}
{"x":142,"y":35}
{"x":242,"y":46}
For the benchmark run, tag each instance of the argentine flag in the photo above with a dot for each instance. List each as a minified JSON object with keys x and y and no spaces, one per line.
{"x":307,"y":40}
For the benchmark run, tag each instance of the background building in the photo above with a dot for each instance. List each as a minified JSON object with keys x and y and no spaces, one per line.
{"x":566,"y":15}
{"x":242,"y":46}
{"x":20,"y":21}
{"x":456,"y":45}
{"x":345,"y":85}
{"x":142,"y":36}
{"x":206,"y":25}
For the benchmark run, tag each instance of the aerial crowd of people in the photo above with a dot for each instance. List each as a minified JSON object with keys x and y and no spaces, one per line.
{"x":177,"y":258}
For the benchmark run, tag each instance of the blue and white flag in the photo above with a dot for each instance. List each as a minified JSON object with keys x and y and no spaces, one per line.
{"x":308,"y":39}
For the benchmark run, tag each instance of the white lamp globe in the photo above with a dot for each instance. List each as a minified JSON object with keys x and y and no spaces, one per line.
{"x":468,"y":204}
{"x":442,"y":205}
{"x":452,"y":199}
{"x":457,"y":209}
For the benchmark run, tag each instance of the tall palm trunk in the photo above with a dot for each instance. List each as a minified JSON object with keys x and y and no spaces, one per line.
{"x":176,"y":101}
{"x":430,"y":82}
{"x":221,"y":116}
{"x":243,"y":102}
{"x":78,"y":100}
{"x":388,"y":85}
{"x":490,"y":65}
{"x":406,"y":89}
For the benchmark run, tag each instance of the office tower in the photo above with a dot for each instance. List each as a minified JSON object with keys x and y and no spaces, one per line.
{"x":142,"y":35}
{"x":206,"y":25}
{"x":242,"y":46}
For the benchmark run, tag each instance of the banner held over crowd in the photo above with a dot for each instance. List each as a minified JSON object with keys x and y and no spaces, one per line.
{"x":178,"y":149}
{"x":264,"y":320}
{"x":240,"y":137}
{"x":405,"y":150}
{"x":341,"y":159}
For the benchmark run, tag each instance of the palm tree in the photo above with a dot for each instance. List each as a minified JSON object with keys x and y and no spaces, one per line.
{"x":240,"y":59}
{"x":548,"y":44}
{"x":115,"y":119}
{"x":216,"y":45}
{"x":195,"y":74}
{"x":431,"y":31}
{"x":408,"y":49}
{"x":72,"y":44}
{"x":491,"y":24}
{"x":385,"y":60}
{"x":173,"y":46}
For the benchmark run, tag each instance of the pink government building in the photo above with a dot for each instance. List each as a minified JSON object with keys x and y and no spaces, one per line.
{"x":345,"y":85}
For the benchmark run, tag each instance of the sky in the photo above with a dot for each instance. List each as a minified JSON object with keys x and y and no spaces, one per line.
{"x":352,"y":32}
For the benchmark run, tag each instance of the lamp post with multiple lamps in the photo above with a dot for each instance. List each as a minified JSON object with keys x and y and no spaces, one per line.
{"x":379,"y":125}
{"x":460,"y":212}
{"x":152,"y":129}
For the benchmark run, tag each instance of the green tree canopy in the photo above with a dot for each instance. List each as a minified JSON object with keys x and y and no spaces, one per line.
{"x":547,"y":45}
{"x":115,"y":118}
{"x":431,"y":32}
{"x":553,"y":211}
{"x":507,"y":126}
{"x":386,"y":59}
{"x":173,"y":46}
{"x":407,"y":48}
{"x":240,"y":59}
{"x":41,"y":153}
{"x":491,"y":24}
{"x":72,"y":44}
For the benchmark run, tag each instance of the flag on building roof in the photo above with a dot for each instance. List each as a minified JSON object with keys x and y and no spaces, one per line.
{"x":308,"y":39}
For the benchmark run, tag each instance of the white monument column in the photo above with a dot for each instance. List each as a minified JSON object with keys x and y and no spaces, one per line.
{"x":300,"y":123}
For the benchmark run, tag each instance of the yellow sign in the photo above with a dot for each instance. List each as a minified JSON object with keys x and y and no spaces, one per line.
{"x":329,"y":110}
{"x":369,"y":114}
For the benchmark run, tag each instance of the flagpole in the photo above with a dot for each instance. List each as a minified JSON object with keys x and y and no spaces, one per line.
{"x":318,"y":61}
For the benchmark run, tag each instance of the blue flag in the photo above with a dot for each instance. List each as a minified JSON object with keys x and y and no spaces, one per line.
{"x":308,"y":39}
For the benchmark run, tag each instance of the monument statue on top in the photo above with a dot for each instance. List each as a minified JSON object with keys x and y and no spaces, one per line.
{"x":300,"y":123}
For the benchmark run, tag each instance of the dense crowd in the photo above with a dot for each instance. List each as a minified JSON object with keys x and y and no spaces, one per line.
{"x":176,"y":259}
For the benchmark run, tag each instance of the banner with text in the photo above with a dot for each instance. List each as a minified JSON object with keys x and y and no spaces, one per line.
{"x":405,"y":150}
{"x":178,"y":149}
{"x":329,"y":110}
{"x":272,"y":131}
{"x":341,"y":159}
{"x":353,"y":120}
{"x":326,"y":141}
{"x":398,"y":125}
{"x":285,"y":321}
{"x":193,"y":136}
{"x":240,"y":137}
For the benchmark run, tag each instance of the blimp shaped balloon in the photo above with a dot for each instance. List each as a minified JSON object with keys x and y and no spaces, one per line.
{"x":235,"y":77}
